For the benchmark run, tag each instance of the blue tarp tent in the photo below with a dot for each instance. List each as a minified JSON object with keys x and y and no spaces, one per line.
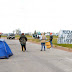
{"x":5,"y":51}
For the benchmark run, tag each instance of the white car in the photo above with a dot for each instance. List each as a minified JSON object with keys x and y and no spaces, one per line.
{"x":11,"y":36}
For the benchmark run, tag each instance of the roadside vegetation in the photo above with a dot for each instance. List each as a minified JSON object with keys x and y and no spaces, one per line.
{"x":3,"y":36}
{"x":54,"y":41}
{"x":30,"y":38}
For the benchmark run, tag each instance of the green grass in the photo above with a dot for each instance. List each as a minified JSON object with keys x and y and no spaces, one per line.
{"x":3,"y":36}
{"x":28,"y":36}
{"x":63,"y":45}
{"x":54,"y":40}
{"x":34,"y":40}
{"x":66,"y":45}
{"x":17,"y":36}
{"x":53,"y":36}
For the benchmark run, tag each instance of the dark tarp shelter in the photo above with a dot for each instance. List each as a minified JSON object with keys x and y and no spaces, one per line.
{"x":5,"y":51}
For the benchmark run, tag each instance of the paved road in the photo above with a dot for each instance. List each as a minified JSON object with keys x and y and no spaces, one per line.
{"x":33,"y":60}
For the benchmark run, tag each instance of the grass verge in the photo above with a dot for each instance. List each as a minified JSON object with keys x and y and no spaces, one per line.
{"x":54,"y":41}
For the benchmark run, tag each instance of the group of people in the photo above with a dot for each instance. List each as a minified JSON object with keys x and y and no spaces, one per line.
{"x":5,"y":51}
{"x":43,"y":38}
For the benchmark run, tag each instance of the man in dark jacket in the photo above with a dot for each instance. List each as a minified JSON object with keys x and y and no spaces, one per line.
{"x":51,"y":37}
{"x":23,"y":40}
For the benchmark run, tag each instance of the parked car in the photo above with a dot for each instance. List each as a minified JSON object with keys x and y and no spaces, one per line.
{"x":11,"y":36}
{"x":37,"y":36}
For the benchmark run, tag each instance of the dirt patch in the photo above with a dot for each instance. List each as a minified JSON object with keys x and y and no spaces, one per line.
{"x":63,"y":48}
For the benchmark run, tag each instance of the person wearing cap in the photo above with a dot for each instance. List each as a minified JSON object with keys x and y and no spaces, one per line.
{"x":43,"y":40}
{"x":23,"y":40}
{"x":51,"y":37}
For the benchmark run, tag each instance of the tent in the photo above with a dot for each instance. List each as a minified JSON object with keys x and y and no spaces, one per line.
{"x":5,"y":51}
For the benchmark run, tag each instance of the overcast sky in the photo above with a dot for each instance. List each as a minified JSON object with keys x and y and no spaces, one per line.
{"x":40,"y":15}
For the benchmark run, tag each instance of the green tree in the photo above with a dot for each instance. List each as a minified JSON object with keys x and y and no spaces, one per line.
{"x":17,"y":31}
{"x":13,"y":31}
{"x":35,"y":32}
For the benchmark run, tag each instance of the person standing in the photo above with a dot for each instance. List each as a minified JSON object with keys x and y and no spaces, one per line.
{"x":51,"y":37}
{"x":0,"y":36}
{"x":43,"y":40}
{"x":23,"y":40}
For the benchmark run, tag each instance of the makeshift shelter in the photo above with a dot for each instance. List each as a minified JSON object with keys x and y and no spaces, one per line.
{"x":5,"y":51}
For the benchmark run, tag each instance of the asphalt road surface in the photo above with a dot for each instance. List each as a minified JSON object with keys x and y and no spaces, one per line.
{"x":34,"y":60}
